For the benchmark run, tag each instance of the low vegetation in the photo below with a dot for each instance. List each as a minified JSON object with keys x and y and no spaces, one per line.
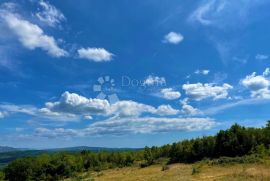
{"x":236,"y":145}
{"x":7,"y":157}
{"x":183,"y":172}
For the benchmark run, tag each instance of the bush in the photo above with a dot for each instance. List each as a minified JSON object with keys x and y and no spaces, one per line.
{"x":2,"y":175}
{"x":148,"y":156}
{"x":236,"y":160}
{"x":196,"y":169}
{"x":165,"y":167}
{"x":20,"y":170}
{"x":261,"y":150}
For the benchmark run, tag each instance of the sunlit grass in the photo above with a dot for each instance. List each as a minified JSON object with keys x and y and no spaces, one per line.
{"x":184,"y":172}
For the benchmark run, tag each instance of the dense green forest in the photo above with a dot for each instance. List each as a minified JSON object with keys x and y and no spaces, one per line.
{"x":234,"y":142}
{"x":8,"y":156}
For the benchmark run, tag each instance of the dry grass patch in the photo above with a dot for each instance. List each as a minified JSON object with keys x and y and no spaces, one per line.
{"x":184,"y":172}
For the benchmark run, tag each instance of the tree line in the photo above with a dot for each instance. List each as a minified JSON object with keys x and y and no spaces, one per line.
{"x":235,"y":141}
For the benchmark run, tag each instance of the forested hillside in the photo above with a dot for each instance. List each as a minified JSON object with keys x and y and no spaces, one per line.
{"x":237,"y":141}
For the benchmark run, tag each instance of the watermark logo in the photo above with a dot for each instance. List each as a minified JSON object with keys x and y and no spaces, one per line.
{"x":106,"y":89}
{"x":150,"y":81}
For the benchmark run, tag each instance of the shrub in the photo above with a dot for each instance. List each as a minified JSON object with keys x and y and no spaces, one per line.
{"x":196,"y":169}
{"x":2,"y":175}
{"x":236,"y":160}
{"x":165,"y":167}
{"x":20,"y":170}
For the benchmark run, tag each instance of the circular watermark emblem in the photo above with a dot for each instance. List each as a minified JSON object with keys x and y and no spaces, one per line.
{"x":106,"y":89}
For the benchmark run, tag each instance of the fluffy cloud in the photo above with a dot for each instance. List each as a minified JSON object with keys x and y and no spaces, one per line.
{"x":129,"y":108}
{"x":49,"y":14}
{"x":202,"y":72}
{"x":166,"y":110}
{"x":261,"y":57}
{"x":188,"y":109}
{"x":170,"y":94}
{"x":173,"y":38}
{"x":201,"y":91}
{"x":95,"y":54}
{"x":123,"y":126}
{"x":32,"y":36}
{"x":74,"y":104}
{"x":258,"y":84}
{"x":74,"y":107}
{"x":154,"y":80}
{"x":254,"y":82}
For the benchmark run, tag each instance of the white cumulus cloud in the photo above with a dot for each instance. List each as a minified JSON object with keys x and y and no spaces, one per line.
{"x":188,"y":109}
{"x":129,"y":108}
{"x":74,"y":104}
{"x":95,"y":54}
{"x":201,"y":91}
{"x":173,"y":38}
{"x":170,"y":94}
{"x":31,"y":35}
{"x":166,"y":110}
{"x":258,"y":84}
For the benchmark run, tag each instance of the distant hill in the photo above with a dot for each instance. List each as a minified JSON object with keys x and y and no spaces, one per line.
{"x":7,"y":149}
{"x":95,"y":149}
{"x":4,"y":149}
{"x":8,"y":154}
{"x":6,"y":157}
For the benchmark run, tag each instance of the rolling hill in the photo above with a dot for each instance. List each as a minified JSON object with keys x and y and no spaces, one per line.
{"x":8,"y":154}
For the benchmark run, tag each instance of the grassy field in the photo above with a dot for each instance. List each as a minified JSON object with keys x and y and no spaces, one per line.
{"x":184,"y":172}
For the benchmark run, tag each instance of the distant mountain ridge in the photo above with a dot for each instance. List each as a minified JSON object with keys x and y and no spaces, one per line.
{"x":7,"y":149}
{"x":8,"y":154}
{"x":88,"y":148}
{"x":75,"y":148}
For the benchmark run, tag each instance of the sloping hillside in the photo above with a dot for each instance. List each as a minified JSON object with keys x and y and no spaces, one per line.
{"x":184,"y":172}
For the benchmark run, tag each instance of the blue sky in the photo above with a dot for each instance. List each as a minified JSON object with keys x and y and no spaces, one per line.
{"x":130,"y":74}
